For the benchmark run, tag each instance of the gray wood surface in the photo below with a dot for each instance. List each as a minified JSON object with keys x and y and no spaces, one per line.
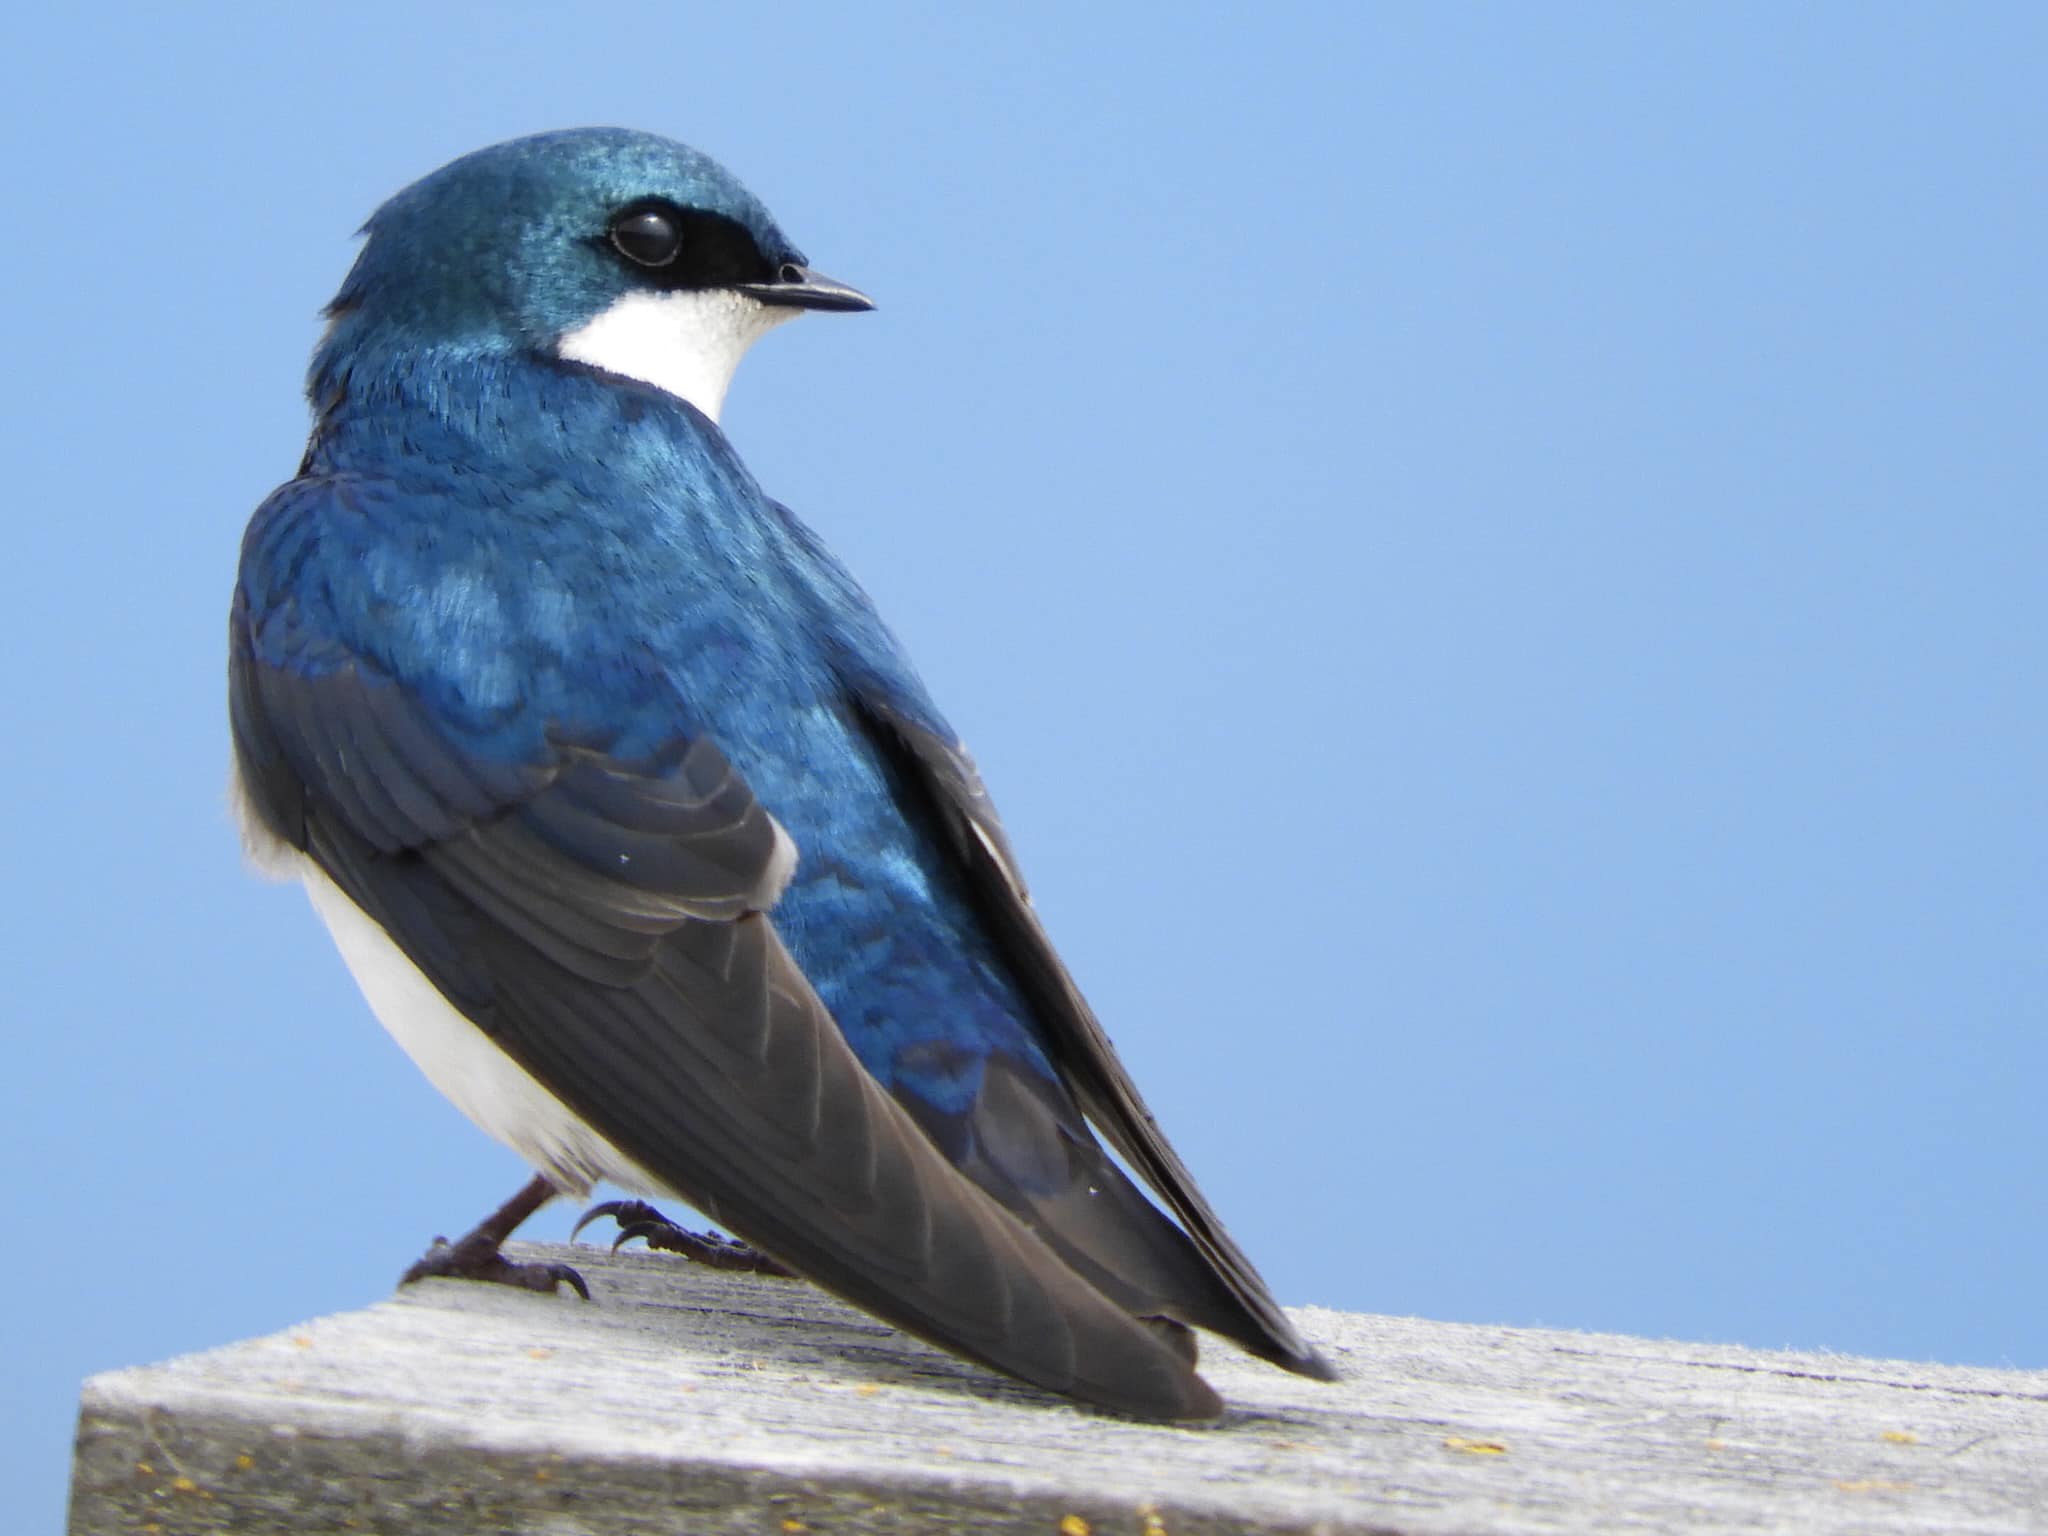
{"x":682,"y":1400}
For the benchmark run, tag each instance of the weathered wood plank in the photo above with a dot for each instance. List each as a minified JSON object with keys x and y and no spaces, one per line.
{"x":683,"y":1400}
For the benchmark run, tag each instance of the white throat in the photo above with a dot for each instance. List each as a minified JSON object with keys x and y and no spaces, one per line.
{"x":687,"y":343}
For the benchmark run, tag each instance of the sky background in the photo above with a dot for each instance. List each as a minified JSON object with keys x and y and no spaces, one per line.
{"x":1493,"y":557}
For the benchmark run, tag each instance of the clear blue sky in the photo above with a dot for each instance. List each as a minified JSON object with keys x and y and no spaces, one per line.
{"x":1493,"y":557}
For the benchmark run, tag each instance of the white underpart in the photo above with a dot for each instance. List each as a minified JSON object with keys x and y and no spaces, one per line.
{"x":268,"y":854}
{"x":688,"y":343}
{"x":500,"y":1096}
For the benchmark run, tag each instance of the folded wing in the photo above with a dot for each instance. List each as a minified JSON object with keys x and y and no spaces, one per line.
{"x":607,"y":923}
{"x":1087,"y":1062}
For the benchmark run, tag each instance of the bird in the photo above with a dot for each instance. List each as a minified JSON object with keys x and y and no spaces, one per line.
{"x":634,"y":823}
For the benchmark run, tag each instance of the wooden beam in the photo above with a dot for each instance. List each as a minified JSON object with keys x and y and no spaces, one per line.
{"x":683,"y":1400}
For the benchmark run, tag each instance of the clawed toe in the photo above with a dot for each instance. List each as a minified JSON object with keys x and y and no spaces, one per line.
{"x":476,"y":1255}
{"x":638,"y":1219}
{"x":627,"y":1213}
{"x":469,"y":1260}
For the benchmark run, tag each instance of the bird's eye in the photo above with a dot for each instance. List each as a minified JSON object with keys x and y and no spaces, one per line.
{"x":647,"y":237}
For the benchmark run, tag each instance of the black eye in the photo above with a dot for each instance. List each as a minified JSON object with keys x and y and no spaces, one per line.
{"x":646,"y":236}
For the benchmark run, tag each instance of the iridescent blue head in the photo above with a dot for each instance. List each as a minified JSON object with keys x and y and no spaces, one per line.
{"x":631,"y":253}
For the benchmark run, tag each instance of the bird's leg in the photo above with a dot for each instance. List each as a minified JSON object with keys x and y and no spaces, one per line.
{"x":475,"y":1255}
{"x":638,"y":1219}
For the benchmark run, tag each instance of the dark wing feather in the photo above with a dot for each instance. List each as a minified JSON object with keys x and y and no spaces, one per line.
{"x":599,"y":920}
{"x":1078,"y":1045}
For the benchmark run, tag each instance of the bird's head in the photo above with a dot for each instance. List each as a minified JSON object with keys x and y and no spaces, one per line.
{"x":621,"y":250}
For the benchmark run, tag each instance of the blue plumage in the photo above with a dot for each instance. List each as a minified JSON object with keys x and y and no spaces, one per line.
{"x":527,"y":666}
{"x":617,"y":601}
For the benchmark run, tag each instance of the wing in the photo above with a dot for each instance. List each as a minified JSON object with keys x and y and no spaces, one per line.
{"x":1080,"y":1049}
{"x":603,"y":921}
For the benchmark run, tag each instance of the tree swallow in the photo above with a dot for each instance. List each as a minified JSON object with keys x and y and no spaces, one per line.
{"x":634,"y":823}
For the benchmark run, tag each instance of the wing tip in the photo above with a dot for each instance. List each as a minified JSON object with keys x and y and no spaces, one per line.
{"x":1287,"y":1349}
{"x":1315,"y":1366}
{"x":1176,"y":1396}
{"x":1200,"y":1404}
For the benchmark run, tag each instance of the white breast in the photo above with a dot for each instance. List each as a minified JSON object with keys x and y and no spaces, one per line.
{"x":688,"y":343}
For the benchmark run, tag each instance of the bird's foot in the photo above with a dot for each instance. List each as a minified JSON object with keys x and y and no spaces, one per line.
{"x":638,"y":1219}
{"x":476,"y":1254}
{"x":475,"y":1257}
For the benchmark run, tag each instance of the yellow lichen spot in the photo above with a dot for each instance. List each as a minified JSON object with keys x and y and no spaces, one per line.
{"x":1717,"y":1444}
{"x":244,"y":1462}
{"x":867,"y":1389}
{"x":183,"y":1485}
{"x":1902,"y":1437}
{"x":145,"y":1469}
{"x":152,"y":1529}
{"x":1073,"y":1525}
{"x":543,"y":1475}
{"x":538,"y":1353}
{"x":1475,"y":1447}
{"x":1872,"y":1485}
{"x":1154,"y":1526}
{"x":791,"y":1527}
{"x":942,"y":1450}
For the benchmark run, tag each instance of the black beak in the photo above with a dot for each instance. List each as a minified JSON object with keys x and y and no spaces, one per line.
{"x":801,"y":288}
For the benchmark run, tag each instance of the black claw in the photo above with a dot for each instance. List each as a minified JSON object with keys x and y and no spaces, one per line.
{"x":622,"y":1211}
{"x":472,"y":1260}
{"x":638,"y":1219}
{"x":629,"y":1231}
